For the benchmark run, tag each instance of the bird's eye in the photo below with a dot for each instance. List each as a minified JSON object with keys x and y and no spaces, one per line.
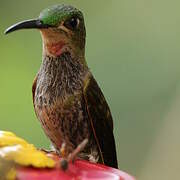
{"x":72,"y":23}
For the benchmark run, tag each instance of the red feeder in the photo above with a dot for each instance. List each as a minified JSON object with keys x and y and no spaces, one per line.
{"x":79,"y":170}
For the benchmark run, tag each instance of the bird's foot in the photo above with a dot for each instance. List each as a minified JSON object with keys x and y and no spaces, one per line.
{"x":72,"y":156}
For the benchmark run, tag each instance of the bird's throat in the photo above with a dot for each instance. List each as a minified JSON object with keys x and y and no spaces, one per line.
{"x":55,"y":49}
{"x":61,"y":75}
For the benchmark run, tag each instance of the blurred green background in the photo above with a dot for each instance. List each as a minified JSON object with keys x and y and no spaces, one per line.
{"x":133,"y":50}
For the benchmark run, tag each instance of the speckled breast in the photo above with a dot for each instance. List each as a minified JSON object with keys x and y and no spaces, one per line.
{"x":63,"y":121}
{"x":59,"y":103}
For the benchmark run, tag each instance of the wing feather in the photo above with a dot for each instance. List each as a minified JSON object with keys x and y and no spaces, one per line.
{"x":101,"y":121}
{"x":34,"y":88}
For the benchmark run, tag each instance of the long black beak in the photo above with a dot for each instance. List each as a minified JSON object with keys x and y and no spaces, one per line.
{"x":29,"y":24}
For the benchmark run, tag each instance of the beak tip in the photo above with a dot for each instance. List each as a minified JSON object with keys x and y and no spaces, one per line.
{"x":6,"y":32}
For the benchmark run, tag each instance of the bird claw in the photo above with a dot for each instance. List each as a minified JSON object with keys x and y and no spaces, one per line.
{"x":72,"y":156}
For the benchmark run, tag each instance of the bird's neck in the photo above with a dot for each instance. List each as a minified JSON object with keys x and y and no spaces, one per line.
{"x":62,"y":75}
{"x":55,"y":46}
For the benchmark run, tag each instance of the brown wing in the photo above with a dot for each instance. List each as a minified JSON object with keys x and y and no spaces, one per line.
{"x":101,"y":121}
{"x":34,"y":88}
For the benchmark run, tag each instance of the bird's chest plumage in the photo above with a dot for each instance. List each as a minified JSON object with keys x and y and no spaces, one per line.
{"x":59,"y":103}
{"x":63,"y":120}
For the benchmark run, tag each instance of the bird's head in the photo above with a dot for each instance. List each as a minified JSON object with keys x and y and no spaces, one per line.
{"x":62,"y":28}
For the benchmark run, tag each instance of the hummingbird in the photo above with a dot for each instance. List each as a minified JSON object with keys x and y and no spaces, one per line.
{"x":67,"y":99}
